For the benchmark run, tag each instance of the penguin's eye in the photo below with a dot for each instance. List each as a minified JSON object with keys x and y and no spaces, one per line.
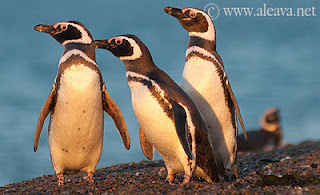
{"x":118,"y":41}
{"x":64,"y":27}
{"x":192,"y":14}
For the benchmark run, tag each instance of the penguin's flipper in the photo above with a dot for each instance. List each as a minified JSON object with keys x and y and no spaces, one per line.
{"x":111,"y":108}
{"x":237,"y":108}
{"x":46,"y":109}
{"x":180,"y":119}
{"x":146,"y":146}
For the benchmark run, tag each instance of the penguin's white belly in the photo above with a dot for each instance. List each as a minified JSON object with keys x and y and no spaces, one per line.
{"x":202,"y":83}
{"x":157,"y":126}
{"x":76,"y":126}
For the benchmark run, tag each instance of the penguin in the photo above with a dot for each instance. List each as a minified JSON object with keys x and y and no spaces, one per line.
{"x":268,"y":138}
{"x":76,"y":103}
{"x":206,"y":82}
{"x":169,"y":121}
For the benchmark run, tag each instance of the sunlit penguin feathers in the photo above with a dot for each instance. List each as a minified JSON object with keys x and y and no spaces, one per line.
{"x":76,"y":103}
{"x":212,"y":93}
{"x":169,"y":121}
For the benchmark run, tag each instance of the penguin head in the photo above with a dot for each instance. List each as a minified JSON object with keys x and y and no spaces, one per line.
{"x":125,"y":47}
{"x":270,"y":120}
{"x":196,"y":21}
{"x":67,"y":32}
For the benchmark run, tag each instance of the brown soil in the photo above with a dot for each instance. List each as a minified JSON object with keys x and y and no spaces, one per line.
{"x":290,"y":170}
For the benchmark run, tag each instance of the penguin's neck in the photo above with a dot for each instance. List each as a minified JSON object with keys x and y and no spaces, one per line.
{"x":269,"y":127}
{"x":75,"y":54}
{"x":85,"y":48}
{"x":143,"y":65}
{"x":196,"y":41}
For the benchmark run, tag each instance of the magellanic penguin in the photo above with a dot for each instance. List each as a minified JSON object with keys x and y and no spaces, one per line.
{"x":76,"y":103}
{"x":169,"y":120}
{"x":206,"y":82}
{"x":268,"y":138}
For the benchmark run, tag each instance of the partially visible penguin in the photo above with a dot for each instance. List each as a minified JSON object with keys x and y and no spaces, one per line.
{"x":268,"y":138}
{"x":206,"y":82}
{"x":76,"y":103}
{"x":169,"y":120}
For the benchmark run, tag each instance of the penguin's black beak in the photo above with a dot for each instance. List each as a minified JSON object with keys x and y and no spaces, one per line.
{"x":102,"y":44}
{"x":45,"y":28}
{"x":175,"y":12}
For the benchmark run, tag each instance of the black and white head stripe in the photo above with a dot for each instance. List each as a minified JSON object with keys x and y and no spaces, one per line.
{"x":73,"y":29}
{"x":210,"y":33}
{"x":67,"y":32}
{"x":126,"y":43}
{"x":196,"y":21}
{"x":73,"y":32}
{"x":270,"y":120}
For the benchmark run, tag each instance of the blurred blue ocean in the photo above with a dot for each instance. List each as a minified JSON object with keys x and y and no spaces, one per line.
{"x":270,"y":61}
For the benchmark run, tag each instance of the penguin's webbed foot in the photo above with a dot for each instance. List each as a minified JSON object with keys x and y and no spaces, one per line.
{"x":231,"y":175}
{"x":90,"y":177}
{"x":235,"y":172}
{"x":186,"y":179}
{"x":60,"y":179}
{"x":171,"y":177}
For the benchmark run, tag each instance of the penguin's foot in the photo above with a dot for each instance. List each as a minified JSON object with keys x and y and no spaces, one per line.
{"x":171,"y":177}
{"x":60,"y":179}
{"x":186,"y":179}
{"x":90,"y":178}
{"x":227,"y":175}
{"x":231,"y":175}
{"x":235,"y":172}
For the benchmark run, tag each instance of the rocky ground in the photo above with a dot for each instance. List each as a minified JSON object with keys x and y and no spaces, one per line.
{"x":290,"y":170}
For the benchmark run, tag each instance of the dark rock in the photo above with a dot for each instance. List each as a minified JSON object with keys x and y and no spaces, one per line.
{"x":290,"y":170}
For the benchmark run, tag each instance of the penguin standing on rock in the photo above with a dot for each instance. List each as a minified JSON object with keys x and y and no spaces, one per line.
{"x":268,"y":138}
{"x":76,"y":103}
{"x":169,"y":120}
{"x":206,"y":82}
